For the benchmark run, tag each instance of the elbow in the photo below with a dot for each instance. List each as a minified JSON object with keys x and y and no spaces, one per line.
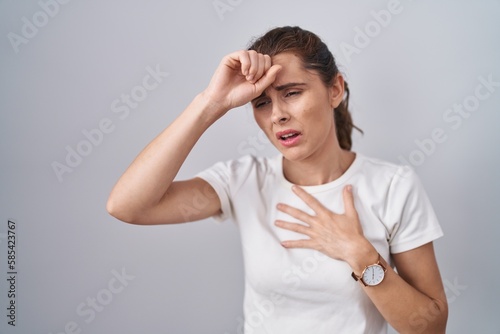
{"x":430,"y":319}
{"x":439,"y":310}
{"x":442,"y":318}
{"x":121,"y":212}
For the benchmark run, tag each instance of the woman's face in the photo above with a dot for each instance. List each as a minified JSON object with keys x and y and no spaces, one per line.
{"x":296,"y":111}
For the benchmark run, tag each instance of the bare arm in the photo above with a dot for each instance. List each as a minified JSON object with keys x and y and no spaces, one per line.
{"x":141,"y":195}
{"x":147,"y":193}
{"x":418,"y":269}
{"x":412,"y":300}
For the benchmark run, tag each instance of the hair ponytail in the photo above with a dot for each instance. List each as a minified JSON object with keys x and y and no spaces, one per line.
{"x":343,"y":121}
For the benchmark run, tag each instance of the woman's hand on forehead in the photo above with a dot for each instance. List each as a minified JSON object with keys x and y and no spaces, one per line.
{"x":240,"y":77}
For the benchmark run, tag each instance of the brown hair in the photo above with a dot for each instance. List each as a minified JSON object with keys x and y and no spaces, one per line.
{"x":315,"y":56}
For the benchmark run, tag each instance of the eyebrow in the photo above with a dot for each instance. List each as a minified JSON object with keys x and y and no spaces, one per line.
{"x":282,"y":87}
{"x":288,"y":85}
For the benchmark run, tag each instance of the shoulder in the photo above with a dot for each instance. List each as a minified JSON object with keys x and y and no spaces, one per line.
{"x":383,"y":170}
{"x":243,"y":170}
{"x":401,"y":203}
{"x":379,"y":165}
{"x":389,"y":181}
{"x":248,"y":163}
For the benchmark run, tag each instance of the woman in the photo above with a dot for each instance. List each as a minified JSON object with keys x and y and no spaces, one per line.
{"x":322,"y":227}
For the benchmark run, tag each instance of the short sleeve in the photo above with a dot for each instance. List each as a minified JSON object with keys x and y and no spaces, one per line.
{"x":410,"y":213}
{"x":218,"y":176}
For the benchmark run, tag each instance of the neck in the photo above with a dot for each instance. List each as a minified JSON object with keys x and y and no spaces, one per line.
{"x":320,"y":169}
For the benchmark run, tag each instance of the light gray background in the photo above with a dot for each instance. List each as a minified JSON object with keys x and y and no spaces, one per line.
{"x":188,"y":278}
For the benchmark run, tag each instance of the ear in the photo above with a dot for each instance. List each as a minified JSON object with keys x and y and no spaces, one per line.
{"x":337,"y":91}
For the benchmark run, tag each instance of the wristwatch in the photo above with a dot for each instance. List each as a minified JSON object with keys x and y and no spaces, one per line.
{"x":372,"y":275}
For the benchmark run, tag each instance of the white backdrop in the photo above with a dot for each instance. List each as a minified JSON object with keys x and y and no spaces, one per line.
{"x":85,"y":85}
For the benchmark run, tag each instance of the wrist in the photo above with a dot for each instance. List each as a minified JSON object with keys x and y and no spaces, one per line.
{"x":364,"y":255}
{"x":204,"y":110}
{"x":211,"y":105}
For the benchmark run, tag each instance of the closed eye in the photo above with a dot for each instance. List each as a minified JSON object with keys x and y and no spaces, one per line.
{"x":292,"y":93}
{"x":261,"y":104}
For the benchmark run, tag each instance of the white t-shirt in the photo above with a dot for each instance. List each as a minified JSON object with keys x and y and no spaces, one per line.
{"x":302,"y":290}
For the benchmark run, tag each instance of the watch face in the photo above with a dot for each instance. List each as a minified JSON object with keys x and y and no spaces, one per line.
{"x":373,"y":275}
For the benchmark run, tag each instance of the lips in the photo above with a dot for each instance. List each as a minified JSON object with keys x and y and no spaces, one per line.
{"x":282,"y":135}
{"x":288,"y":137}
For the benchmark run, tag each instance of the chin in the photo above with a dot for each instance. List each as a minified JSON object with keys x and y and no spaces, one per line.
{"x":294,"y":154}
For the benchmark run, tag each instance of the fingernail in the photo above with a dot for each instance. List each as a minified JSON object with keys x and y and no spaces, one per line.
{"x":249,"y":77}
{"x":349,"y":188}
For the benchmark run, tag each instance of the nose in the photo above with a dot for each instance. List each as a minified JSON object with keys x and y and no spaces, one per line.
{"x":279,"y":115}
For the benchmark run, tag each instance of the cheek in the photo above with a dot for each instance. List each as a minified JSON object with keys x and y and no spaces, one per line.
{"x":262,"y":117}
{"x":319,"y":120}
{"x":316,"y":113}
{"x":258,"y":119}
{"x":263,"y":121}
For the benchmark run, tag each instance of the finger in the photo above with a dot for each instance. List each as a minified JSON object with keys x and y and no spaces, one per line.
{"x":295,"y":213}
{"x":254,"y":65}
{"x":260,"y":69}
{"x":267,"y":79}
{"x":245,"y":61}
{"x":299,"y":228}
{"x":303,"y":243}
{"x":309,"y":199}
{"x":267,"y":63}
{"x":349,"y":207}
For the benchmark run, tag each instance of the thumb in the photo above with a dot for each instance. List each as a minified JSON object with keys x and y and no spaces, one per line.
{"x":267,"y":79}
{"x":350,"y":210}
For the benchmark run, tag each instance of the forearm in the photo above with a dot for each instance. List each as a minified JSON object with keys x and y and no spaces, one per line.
{"x":148,"y":178}
{"x":412,"y":301}
{"x":403,"y":306}
{"x":146,"y":182}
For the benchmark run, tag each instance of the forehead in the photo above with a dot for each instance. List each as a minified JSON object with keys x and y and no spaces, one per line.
{"x":292,"y":69}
